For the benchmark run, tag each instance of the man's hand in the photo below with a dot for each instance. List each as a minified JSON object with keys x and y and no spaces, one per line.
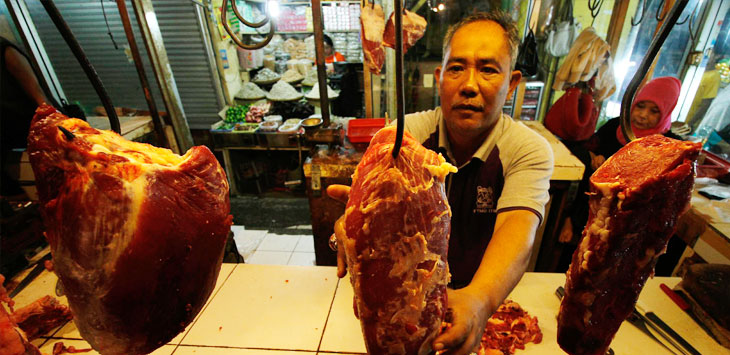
{"x":566,"y":234}
{"x":469,"y":317}
{"x":340,"y":193}
{"x":596,"y":161}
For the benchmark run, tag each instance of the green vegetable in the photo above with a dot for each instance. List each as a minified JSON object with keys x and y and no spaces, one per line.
{"x":236,"y":113}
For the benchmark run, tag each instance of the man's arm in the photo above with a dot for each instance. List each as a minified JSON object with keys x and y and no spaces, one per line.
{"x":21,"y":69}
{"x":503,"y":264}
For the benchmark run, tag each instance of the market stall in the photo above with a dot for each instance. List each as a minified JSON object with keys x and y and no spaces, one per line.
{"x":138,"y":232}
{"x":279,"y":309}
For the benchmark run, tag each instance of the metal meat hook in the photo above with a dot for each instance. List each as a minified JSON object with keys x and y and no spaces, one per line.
{"x":646,"y":63}
{"x":399,"y":104}
{"x":78,"y":52}
{"x":234,"y":37}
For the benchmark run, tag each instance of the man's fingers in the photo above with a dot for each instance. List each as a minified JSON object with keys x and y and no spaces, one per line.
{"x":469,"y":346}
{"x":339,"y":234}
{"x":341,"y":265}
{"x":451,"y":338}
{"x":339,"y":192}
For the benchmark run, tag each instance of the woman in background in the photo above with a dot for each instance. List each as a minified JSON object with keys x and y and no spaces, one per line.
{"x":651,"y":113}
{"x":330,"y":55}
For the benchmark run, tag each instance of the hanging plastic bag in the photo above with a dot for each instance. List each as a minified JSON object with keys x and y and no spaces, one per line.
{"x":562,"y":34}
{"x":527,"y":59}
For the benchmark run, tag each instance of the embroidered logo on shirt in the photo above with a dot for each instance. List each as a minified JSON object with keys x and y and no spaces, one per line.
{"x":485,"y":200}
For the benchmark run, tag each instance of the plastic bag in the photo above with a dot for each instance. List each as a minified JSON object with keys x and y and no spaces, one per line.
{"x":562,"y":34}
{"x":527,"y":59}
{"x":561,"y":38}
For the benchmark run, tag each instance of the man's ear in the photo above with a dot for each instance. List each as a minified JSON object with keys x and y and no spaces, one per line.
{"x":514,"y":81}
{"x":437,"y":76}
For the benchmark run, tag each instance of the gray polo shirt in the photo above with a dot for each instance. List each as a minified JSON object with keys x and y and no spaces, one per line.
{"x":510,"y":170}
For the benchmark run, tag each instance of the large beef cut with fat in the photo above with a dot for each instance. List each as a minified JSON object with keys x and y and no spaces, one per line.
{"x":372,"y":22}
{"x":635,"y":199}
{"x":414,"y":26}
{"x":397,"y":222}
{"x":137,"y":232}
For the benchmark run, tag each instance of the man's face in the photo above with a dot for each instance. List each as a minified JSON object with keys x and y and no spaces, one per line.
{"x":328,"y":50}
{"x":475,"y":78}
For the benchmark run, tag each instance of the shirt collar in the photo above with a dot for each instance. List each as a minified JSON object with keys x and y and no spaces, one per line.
{"x":484,"y":150}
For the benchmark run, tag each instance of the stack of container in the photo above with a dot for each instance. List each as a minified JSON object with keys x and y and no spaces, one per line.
{"x":353,"y":53}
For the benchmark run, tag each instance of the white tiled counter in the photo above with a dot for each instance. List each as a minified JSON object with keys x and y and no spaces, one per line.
{"x":299,"y":310}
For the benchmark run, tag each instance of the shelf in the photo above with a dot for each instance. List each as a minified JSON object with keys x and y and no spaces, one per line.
{"x":324,"y":2}
{"x":261,"y":2}
{"x":302,"y":32}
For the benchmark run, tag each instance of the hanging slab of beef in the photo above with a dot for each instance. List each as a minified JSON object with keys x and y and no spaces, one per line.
{"x":372,"y":22}
{"x":414,"y":26}
{"x":137,"y":232}
{"x":635,"y":199}
{"x":397,"y":222}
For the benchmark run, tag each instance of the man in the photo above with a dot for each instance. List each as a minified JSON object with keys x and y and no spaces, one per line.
{"x":498,"y":195}
{"x":20,"y":94}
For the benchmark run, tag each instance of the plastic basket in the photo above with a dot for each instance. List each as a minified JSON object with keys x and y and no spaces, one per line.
{"x":362,"y":130}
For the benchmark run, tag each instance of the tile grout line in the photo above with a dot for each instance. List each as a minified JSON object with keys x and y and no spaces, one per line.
{"x":329,"y":313}
{"x":197,"y":317}
{"x":291,"y":254}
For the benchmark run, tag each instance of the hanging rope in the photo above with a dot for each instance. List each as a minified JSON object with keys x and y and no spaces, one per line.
{"x":108,"y":29}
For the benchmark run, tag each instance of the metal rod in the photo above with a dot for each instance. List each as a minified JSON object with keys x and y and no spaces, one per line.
{"x":319,"y":56}
{"x":89,"y":70}
{"x":156,"y":120}
{"x":399,"y":105}
{"x":654,"y":48}
{"x":70,"y":136}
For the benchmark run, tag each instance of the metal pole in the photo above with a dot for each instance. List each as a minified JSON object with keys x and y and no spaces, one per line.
{"x":644,"y":67}
{"x":400,"y":108}
{"x":156,"y":120}
{"x":319,"y":55}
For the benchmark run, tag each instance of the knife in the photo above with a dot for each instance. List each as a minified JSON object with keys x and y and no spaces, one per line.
{"x":39,"y":266}
{"x":681,"y":301}
{"x":670,"y":334}
{"x":639,"y":321}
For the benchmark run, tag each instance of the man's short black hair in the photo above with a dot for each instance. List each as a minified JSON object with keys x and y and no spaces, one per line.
{"x":501,"y":18}
{"x":328,"y":40}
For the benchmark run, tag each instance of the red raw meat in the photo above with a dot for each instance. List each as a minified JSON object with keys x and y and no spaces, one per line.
{"x":41,"y":316}
{"x":59,"y":349}
{"x":510,"y":328}
{"x":636,"y":197}
{"x":414,"y":27}
{"x":137,"y":232}
{"x":12,"y":339}
{"x":397,"y":222}
{"x":372,"y":22}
